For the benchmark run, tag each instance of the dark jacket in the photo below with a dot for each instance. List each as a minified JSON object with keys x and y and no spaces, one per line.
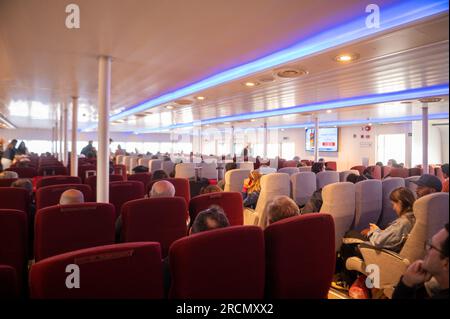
{"x":314,"y":204}
{"x":402,"y":291}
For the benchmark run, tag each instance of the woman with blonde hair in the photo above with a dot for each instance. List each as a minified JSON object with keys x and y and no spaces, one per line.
{"x":252,"y":188}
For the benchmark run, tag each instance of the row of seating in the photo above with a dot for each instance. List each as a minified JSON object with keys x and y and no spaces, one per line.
{"x":240,"y":262}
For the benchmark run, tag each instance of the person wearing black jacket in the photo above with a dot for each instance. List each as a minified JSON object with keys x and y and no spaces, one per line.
{"x":8,"y":154}
{"x":434,"y":265}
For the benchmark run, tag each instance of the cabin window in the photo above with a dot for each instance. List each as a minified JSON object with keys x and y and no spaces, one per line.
{"x":288,"y":150}
{"x":391,"y":146}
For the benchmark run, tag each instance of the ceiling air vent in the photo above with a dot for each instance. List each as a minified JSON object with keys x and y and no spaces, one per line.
{"x":290,"y":73}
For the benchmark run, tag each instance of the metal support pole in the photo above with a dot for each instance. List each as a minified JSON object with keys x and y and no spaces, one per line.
{"x":73,"y":152}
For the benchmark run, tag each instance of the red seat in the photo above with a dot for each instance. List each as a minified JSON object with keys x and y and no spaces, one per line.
{"x":9,"y":287}
{"x":416,"y":171}
{"x":120,"y":169}
{"x":13,"y":250}
{"x":226,"y":263}
{"x":230,"y":202}
{"x":359,"y":168}
{"x":307,"y":162}
{"x":24,"y":172}
{"x":6,"y":182}
{"x":182,"y":188}
{"x":52,"y":170}
{"x":438,"y":172}
{"x":331,"y":166}
{"x":82,"y":169}
{"x":59,"y":229}
{"x":121,"y":271}
{"x":154,"y":219}
{"x":290,"y":164}
{"x":92,"y":182}
{"x":57,"y":180}
{"x":400,"y":172}
{"x":145,"y":178}
{"x":50,"y":195}
{"x":300,"y":257}
{"x":385,"y":170}
{"x":375,"y":171}
{"x":14,"y":198}
{"x":122,"y":192}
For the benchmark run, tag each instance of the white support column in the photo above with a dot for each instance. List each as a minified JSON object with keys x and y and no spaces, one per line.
{"x":104,"y":93}
{"x":53,"y":140}
{"x":266,"y":140}
{"x":316,"y":139}
{"x":74,"y":152}
{"x":200,"y":140}
{"x":425,"y":137}
{"x":65,"y":129}
{"x":61,"y":130}
{"x":232,"y":150}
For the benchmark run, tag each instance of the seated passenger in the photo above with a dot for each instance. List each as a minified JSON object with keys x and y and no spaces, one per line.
{"x":281,"y":207}
{"x":8,"y":175}
{"x":353,"y":178}
{"x":433,"y":266}
{"x":391,"y":238}
{"x":317,"y":167}
{"x":252,"y":188}
{"x":445,"y":169}
{"x":427,"y":184}
{"x":71,"y":196}
{"x":159,"y":174}
{"x":210,"y":189}
{"x":228,"y":167}
{"x":368,"y":173}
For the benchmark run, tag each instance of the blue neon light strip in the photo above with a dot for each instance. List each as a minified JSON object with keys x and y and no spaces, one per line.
{"x":391,"y":17}
{"x":438,"y":90}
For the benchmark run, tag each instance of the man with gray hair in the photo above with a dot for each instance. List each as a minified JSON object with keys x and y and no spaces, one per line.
{"x":8,"y":175}
{"x":71,"y":196}
{"x":162,"y":189}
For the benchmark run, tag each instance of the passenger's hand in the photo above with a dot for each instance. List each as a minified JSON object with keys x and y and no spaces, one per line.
{"x":364,"y":232}
{"x":373,"y":227}
{"x":415,"y":274}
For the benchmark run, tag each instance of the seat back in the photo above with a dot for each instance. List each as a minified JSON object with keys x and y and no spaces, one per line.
{"x":304,"y":184}
{"x":121,"y":271}
{"x":63,"y":228}
{"x":185,"y":170}
{"x":120,"y":159}
{"x":120,"y":169}
{"x":368,"y":203}
{"x":272,"y":185}
{"x":339,"y":202}
{"x":388,"y":214}
{"x":182,"y":188}
{"x":168,"y":166}
{"x":385,"y":171}
{"x":400,"y":172}
{"x":52,"y":170}
{"x":154,"y":165}
{"x":208,"y":171}
{"x":290,"y":164}
{"x":122,"y":192}
{"x":304,"y":169}
{"x":246,"y":165}
{"x":415,"y":171}
{"x":359,"y":168}
{"x":13,"y":247}
{"x":230,"y":202}
{"x":82,"y":169}
{"x":327,"y":177}
{"x":431,"y":212}
{"x":226,"y":263}
{"x":412,"y":186}
{"x":343,"y":175}
{"x":289,"y":244}
{"x":234,"y":179}
{"x":50,"y":195}
{"x":57,"y":180}
{"x":289,"y":170}
{"x":161,"y":220}
{"x":6,"y":182}
{"x":14,"y":198}
{"x":144,"y":178}
{"x":9,"y":285}
{"x":376,"y":171}
{"x":331,"y":166}
{"x":92,"y":181}
{"x":23,"y":172}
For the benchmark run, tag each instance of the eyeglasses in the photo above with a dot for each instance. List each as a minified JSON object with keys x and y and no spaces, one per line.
{"x":429,"y":245}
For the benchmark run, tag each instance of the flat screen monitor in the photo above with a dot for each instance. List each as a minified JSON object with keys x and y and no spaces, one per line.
{"x":328,"y":139}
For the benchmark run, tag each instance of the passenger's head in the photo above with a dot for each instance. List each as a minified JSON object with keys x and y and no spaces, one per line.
{"x":159,"y":174}
{"x":8,"y":175}
{"x":317,"y":167}
{"x":445,"y":169}
{"x":210,"y":189}
{"x":230,"y":166}
{"x":392,"y":162}
{"x":281,"y":207}
{"x":162,"y":189}
{"x":402,"y":200}
{"x":71,"y":196}
{"x":24,"y":183}
{"x":321,"y":160}
{"x":436,"y":258}
{"x":91,"y":142}
{"x":379,"y":164}
{"x":296,"y":158}
{"x":427,"y":184}
{"x":352,"y":178}
{"x":209,"y":219}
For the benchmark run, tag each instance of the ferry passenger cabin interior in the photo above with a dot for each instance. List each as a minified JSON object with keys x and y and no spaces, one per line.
{"x":202,"y":149}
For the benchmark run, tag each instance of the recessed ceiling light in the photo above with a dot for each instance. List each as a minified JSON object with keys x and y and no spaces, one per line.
{"x":169,"y":107}
{"x":251,"y":84}
{"x":346,"y":57}
{"x":329,"y":111}
{"x":290,"y":73}
{"x":370,"y":124}
{"x":253,"y":120}
{"x":430,"y":99}
{"x":226,"y":123}
{"x":200,"y":98}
